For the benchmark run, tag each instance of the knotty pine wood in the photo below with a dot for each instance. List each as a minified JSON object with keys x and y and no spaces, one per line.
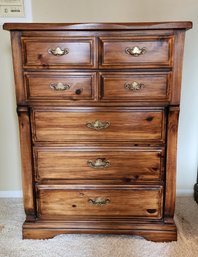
{"x":156,"y":86}
{"x":58,"y":203}
{"x":113,"y":52}
{"x":100,"y":26}
{"x":139,"y":144}
{"x":27,"y":165}
{"x":172,"y":130}
{"x":71,"y":125}
{"x":17,"y":67}
{"x":81,"y":52}
{"x":81,"y":85}
{"x":132,"y":165}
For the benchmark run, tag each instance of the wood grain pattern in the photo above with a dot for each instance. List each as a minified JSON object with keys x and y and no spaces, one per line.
{"x":17,"y":66}
{"x":171,"y":160}
{"x":155,"y":86}
{"x":26,"y":161}
{"x":152,"y":235}
{"x":81,"y":85}
{"x":137,"y":164}
{"x":113,"y":52}
{"x":99,"y":157}
{"x":100,"y":26}
{"x":55,"y":203}
{"x":81,"y":52}
{"x":154,"y":231}
{"x":177,"y":68}
{"x":130,"y":125}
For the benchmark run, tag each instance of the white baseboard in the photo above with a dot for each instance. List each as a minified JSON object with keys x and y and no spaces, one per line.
{"x":11,"y":194}
{"x":184,"y":192}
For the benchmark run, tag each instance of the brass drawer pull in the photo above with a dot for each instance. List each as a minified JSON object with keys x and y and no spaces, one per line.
{"x":151,"y":211}
{"x":99,"y":163}
{"x":97,"y":125}
{"x":99,"y":201}
{"x":134,"y":86}
{"x":58,"y":51}
{"x":135,"y":51}
{"x":59,"y":86}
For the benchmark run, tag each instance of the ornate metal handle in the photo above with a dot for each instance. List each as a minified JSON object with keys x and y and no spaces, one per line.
{"x":58,"y":51}
{"x":59,"y":86}
{"x":134,"y":86}
{"x":99,"y":163}
{"x":99,"y":201}
{"x":97,"y":125}
{"x":135,"y":51}
{"x":151,"y":211}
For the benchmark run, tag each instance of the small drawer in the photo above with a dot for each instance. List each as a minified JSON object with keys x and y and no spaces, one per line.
{"x":54,"y":86}
{"x":98,"y":125}
{"x":60,"y":201}
{"x":130,"y":52}
{"x":67,"y":52}
{"x":127,"y":165}
{"x":135,"y":86}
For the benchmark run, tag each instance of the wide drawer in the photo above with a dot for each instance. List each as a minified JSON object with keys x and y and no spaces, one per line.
{"x":126,"y":52}
{"x":67,"y":85}
{"x":129,"y":165}
{"x":139,"y":86}
{"x":59,"y":201}
{"x":98,"y":125}
{"x":69,"y":52}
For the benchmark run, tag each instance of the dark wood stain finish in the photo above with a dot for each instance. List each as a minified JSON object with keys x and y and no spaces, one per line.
{"x":98,"y":108}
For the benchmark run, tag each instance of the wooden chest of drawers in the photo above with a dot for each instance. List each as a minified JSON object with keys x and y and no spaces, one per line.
{"x":98,"y":108}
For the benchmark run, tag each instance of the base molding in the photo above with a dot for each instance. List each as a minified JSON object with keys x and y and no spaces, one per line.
{"x":11,"y":194}
{"x":156,"y":231}
{"x":184,"y":192}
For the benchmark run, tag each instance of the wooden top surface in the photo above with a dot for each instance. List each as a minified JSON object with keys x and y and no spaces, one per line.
{"x":99,"y":26}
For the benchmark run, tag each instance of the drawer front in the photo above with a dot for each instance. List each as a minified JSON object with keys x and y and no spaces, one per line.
{"x":106,"y":125}
{"x":50,"y":86}
{"x":135,"y":86}
{"x":126,"y":52}
{"x":133,"y":165}
{"x":56,"y":202}
{"x":67,"y":52}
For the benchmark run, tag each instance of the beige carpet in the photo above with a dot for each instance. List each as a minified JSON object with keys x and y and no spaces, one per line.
{"x":1,"y":227}
{"x":11,"y":244}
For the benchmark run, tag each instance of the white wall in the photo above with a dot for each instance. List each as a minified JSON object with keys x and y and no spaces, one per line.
{"x":9,"y":142}
{"x":107,"y":11}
